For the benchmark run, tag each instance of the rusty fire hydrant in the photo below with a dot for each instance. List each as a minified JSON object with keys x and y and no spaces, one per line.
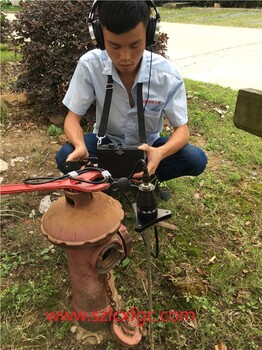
{"x":89,"y":226}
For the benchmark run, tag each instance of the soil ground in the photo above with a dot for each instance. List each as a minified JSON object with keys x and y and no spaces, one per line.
{"x":25,"y":139}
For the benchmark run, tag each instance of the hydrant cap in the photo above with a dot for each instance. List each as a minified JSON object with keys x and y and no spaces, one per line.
{"x":82,"y":218}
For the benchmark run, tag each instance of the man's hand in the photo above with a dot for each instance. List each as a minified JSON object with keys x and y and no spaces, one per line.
{"x":75,"y":135}
{"x":154,"y":157}
{"x":79,"y":153}
{"x":175,"y":142}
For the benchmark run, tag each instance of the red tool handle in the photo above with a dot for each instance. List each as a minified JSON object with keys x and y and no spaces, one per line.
{"x":66,"y":184}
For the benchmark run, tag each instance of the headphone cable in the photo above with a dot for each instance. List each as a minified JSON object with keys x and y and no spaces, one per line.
{"x":149,"y":79}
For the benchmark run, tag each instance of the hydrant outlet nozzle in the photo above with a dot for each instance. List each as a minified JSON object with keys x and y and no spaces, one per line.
{"x":106,"y":257}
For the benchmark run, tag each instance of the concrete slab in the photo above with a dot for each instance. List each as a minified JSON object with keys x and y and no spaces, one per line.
{"x":227,"y":56}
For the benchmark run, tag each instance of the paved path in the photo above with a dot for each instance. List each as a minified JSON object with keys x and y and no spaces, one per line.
{"x":227,"y":56}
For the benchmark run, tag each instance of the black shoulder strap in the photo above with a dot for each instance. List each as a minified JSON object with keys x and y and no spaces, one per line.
{"x":106,"y":108}
{"x":140,"y":113}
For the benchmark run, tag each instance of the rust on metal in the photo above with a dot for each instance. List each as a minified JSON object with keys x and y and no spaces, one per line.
{"x":82,"y":218}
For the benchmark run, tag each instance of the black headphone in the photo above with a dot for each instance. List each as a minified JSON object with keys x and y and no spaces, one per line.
{"x":97,"y":34}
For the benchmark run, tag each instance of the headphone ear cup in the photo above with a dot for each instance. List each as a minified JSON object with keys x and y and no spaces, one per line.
{"x":98,"y":35}
{"x":150,"y":33}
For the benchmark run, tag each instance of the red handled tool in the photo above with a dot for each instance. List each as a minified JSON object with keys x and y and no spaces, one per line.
{"x":83,"y":182}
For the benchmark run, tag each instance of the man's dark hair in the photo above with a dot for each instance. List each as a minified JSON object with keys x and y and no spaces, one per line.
{"x":120,"y":16}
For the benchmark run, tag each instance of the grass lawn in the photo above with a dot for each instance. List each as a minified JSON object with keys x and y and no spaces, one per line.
{"x":7,"y":7}
{"x":209,"y":264}
{"x":230,"y":17}
{"x":6,"y":55}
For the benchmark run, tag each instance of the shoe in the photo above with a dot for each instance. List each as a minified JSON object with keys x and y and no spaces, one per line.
{"x":161,"y":189}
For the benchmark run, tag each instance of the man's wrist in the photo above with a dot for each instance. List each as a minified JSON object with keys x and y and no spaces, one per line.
{"x":79,"y":144}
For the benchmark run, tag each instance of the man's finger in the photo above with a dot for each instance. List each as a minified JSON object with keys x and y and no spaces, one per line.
{"x":143,"y":147}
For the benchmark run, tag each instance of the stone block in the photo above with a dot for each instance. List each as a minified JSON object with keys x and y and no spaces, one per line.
{"x":248,"y":111}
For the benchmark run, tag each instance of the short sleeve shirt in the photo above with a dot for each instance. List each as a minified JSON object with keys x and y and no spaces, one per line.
{"x":163,"y":95}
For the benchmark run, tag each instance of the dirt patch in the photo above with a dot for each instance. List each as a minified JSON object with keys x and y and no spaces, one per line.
{"x":26,"y":146}
{"x":9,"y":73}
{"x":29,"y":152}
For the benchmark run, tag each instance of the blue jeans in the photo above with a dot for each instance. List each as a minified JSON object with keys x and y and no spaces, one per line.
{"x":190,"y":160}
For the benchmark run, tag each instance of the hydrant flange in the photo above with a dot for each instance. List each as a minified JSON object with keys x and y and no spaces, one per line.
{"x":79,"y":219}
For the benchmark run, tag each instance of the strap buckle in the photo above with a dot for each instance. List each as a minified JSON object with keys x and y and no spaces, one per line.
{"x":109,"y":86}
{"x":100,"y":139}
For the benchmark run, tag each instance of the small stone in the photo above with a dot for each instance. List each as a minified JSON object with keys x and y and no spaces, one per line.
{"x":73,"y":329}
{"x":44,"y":204}
{"x":3,"y":165}
{"x":17,"y":159}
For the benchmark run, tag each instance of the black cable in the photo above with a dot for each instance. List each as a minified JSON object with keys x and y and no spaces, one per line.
{"x":88,"y":181}
{"x":38,"y":180}
{"x":140,"y":161}
{"x":129,"y":202}
{"x":156,"y":253}
{"x":149,"y":80}
{"x":89,"y":168}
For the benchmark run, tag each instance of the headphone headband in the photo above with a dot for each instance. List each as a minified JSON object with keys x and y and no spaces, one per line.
{"x":97,"y":34}
{"x":95,"y":4}
{"x":92,"y":12}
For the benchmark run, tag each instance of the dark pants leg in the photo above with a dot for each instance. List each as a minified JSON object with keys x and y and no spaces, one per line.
{"x":190,"y":160}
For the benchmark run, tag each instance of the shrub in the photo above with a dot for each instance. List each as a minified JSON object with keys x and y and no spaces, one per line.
{"x":160,"y":46}
{"x":5,"y":29}
{"x":52,"y":35}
